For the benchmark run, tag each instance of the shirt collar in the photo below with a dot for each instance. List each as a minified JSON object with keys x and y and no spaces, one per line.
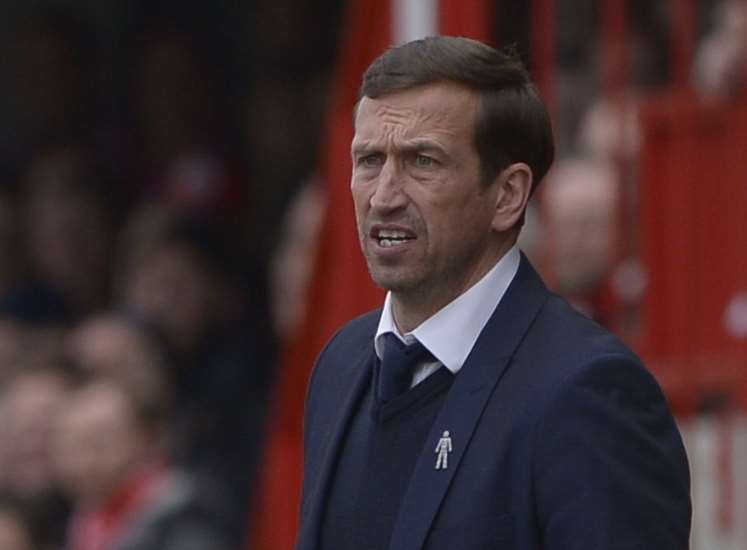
{"x":451,"y":332}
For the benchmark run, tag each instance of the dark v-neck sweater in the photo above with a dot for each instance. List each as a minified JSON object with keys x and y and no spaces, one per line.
{"x":378,"y":456}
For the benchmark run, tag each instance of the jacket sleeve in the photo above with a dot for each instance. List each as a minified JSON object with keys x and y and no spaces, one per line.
{"x":609,"y":466}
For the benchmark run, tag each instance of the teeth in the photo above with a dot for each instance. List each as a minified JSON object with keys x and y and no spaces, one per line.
{"x":386,"y":243}
{"x":392,"y":237}
{"x":392,"y":234}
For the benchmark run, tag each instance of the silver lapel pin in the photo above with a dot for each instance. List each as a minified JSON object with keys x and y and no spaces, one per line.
{"x":443,"y":448}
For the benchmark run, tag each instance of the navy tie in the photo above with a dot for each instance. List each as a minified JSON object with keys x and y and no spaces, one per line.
{"x":397,"y":363}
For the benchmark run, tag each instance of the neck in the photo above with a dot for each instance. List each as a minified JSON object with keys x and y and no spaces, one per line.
{"x":409,"y":313}
{"x":410,"y":308}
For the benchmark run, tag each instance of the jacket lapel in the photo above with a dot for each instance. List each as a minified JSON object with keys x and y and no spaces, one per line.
{"x":361,"y":372}
{"x":464,"y":404}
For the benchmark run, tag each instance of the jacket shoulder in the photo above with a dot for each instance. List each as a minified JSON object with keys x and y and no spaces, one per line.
{"x":354,"y":335}
{"x":347,"y":347}
{"x":351,"y":340}
{"x":570,"y":336}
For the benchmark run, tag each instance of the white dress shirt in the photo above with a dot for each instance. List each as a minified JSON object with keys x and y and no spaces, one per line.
{"x":451,"y":332}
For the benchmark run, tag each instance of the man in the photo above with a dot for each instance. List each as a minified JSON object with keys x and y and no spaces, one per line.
{"x":547,"y":431}
{"x":108,"y":457}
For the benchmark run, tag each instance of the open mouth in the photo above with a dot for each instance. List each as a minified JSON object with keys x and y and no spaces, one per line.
{"x":388,"y":238}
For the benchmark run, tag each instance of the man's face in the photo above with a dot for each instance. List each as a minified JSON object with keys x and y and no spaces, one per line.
{"x":98,"y":443}
{"x":424,"y":218}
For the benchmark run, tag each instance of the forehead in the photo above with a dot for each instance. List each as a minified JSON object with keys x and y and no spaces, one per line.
{"x":442,"y":108}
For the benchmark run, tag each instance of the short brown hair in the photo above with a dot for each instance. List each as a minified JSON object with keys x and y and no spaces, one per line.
{"x":513,"y":125}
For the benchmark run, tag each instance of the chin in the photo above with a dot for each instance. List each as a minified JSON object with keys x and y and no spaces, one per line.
{"x":396,"y":278}
{"x":394,"y":282}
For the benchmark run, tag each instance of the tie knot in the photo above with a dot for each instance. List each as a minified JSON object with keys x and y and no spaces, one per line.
{"x":397,"y":362}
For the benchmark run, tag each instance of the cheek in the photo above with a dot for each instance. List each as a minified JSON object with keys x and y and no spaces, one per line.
{"x":361,"y":202}
{"x":360,"y":192}
{"x":361,"y":207}
{"x":462,"y":222}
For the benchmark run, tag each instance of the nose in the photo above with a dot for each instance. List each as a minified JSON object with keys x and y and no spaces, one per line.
{"x":389,"y":194}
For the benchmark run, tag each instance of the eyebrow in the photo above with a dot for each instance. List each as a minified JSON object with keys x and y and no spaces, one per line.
{"x":420,"y":145}
{"x":361,"y":147}
{"x":417,"y":145}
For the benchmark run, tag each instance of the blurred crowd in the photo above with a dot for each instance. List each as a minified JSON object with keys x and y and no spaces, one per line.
{"x":136,"y":342}
{"x":585,"y":234}
{"x":137,"y":329}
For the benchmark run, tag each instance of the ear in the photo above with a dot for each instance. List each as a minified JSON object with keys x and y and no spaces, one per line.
{"x":514,"y":187}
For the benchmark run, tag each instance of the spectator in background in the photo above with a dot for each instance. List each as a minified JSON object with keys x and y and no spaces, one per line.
{"x":606,"y":148}
{"x":292,"y":263}
{"x":109,"y":458}
{"x":182,"y":276}
{"x":33,"y":315}
{"x":113,"y":345}
{"x":30,"y":401}
{"x":720,"y":66}
{"x":28,"y":343}
{"x":580,"y":204}
{"x":15,"y":525}
{"x":29,"y":404}
{"x":68,"y":220}
{"x":184,"y":148}
{"x":33,"y":325}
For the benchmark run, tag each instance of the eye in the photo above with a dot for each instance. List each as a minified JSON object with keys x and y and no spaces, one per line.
{"x":424,"y":161}
{"x":372,"y":160}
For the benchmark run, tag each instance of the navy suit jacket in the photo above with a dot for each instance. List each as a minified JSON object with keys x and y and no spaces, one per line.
{"x":561,"y":439}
